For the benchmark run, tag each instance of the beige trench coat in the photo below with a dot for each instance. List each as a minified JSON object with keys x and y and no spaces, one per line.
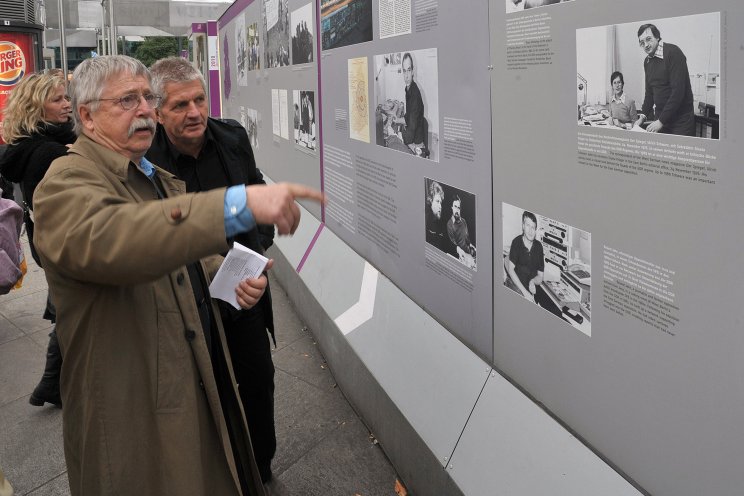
{"x":142,"y":414}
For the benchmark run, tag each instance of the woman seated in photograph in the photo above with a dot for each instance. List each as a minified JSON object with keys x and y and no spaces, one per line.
{"x":623,"y":111}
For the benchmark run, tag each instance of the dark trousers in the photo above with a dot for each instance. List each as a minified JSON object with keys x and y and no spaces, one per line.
{"x":683,"y":125}
{"x":250,"y":350}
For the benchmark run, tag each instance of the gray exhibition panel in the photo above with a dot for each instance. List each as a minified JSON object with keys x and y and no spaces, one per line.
{"x":511,"y":446}
{"x":443,"y":378}
{"x":651,"y":379}
{"x":487,"y":435}
{"x":633,"y":342}
{"x":295,"y":247}
{"x":247,"y":94}
{"x":377,"y":186}
{"x":430,"y":376}
{"x":333,"y":275}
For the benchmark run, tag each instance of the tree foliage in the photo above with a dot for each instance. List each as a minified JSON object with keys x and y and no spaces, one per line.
{"x":157,"y":47}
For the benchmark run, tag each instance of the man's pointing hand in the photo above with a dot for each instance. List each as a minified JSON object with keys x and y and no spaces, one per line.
{"x":275,"y":204}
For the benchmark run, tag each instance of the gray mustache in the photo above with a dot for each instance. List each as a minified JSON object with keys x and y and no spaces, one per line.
{"x":139,"y":124}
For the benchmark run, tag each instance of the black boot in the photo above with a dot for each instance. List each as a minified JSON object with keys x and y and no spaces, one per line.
{"x":48,"y":389}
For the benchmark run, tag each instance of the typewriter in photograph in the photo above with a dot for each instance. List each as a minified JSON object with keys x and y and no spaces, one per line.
{"x":573,"y":290}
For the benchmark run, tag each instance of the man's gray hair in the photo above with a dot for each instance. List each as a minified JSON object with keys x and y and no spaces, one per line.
{"x":174,"y":70}
{"x":90,"y":77}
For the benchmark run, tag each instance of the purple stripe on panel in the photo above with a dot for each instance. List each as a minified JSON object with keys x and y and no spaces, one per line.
{"x":310,"y":247}
{"x":211,"y":28}
{"x":215,"y":92}
{"x":233,"y":10}
{"x":320,"y":105}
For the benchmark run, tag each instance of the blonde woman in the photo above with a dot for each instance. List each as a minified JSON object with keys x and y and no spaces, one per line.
{"x":38,"y":129}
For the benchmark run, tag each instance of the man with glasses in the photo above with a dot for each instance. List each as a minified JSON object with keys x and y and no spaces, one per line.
{"x":668,"y":102}
{"x":150,"y":403}
{"x":413,"y":121}
{"x":207,"y":153}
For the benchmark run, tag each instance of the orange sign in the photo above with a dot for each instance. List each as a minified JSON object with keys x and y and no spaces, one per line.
{"x":16,"y":61}
{"x":12,"y":63}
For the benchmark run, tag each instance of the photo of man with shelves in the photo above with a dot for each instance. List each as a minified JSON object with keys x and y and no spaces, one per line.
{"x":548,"y":263}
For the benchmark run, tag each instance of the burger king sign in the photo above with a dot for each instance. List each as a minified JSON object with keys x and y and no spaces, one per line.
{"x":12,"y":63}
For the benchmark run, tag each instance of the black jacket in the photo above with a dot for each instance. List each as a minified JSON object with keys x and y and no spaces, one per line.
{"x":236,"y":155}
{"x":26,"y":161}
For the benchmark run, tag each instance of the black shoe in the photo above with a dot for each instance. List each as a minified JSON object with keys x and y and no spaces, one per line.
{"x":47,"y":390}
{"x":275,"y":488}
{"x":43,"y":393}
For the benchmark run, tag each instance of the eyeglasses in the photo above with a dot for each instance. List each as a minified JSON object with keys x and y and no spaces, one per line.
{"x":132,"y":100}
{"x":645,"y":42}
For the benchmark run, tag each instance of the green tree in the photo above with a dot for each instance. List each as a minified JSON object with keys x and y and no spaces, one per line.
{"x":157,"y":47}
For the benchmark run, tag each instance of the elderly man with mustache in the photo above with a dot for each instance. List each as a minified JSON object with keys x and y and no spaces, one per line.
{"x":151,"y":406}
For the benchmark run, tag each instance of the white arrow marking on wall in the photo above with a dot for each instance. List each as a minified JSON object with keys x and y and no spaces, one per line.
{"x":361,"y":311}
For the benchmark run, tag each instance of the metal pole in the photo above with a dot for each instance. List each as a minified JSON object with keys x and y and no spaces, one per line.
{"x":42,"y":16}
{"x":103,"y":27}
{"x":112,"y":34}
{"x":62,"y":44}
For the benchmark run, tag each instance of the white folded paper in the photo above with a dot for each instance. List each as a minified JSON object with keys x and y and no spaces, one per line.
{"x":240,"y":263}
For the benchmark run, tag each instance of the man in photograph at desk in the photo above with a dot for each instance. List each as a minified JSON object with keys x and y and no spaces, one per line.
{"x":413,"y":122}
{"x":457,"y":230}
{"x":526,"y":262}
{"x":668,"y":102}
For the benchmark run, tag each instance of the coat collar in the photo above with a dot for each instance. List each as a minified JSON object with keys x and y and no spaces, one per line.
{"x":106,"y":158}
{"x":102,"y":156}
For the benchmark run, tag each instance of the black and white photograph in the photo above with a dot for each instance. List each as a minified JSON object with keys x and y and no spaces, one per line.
{"x":251,"y":127}
{"x":241,"y":51}
{"x":254,"y":48}
{"x":520,"y":5}
{"x":345,"y":22}
{"x":277,"y":34}
{"x":651,"y":76}
{"x":303,"y":40}
{"x":450,"y":221}
{"x":201,"y":55}
{"x":406,"y":96}
{"x":548,"y":263}
{"x":304,"y":119}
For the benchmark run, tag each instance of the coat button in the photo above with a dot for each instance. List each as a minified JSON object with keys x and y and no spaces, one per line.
{"x":190,"y":335}
{"x":201,"y":384}
{"x":176,"y":213}
{"x":179,"y":279}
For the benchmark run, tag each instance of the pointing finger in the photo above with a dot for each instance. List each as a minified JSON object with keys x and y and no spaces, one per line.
{"x":302,"y":191}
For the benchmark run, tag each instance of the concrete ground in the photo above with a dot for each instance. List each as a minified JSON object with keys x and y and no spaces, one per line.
{"x":323,"y":446}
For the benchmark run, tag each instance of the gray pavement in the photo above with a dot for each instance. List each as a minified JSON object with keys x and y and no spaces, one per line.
{"x":323,"y":448}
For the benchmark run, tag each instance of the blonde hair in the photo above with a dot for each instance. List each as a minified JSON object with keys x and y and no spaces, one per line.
{"x":24,"y":109}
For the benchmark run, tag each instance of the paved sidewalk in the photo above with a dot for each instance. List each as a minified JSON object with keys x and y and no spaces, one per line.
{"x":323,"y":447}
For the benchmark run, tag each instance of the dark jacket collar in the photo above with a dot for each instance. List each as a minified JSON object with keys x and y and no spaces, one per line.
{"x":222,"y":134}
